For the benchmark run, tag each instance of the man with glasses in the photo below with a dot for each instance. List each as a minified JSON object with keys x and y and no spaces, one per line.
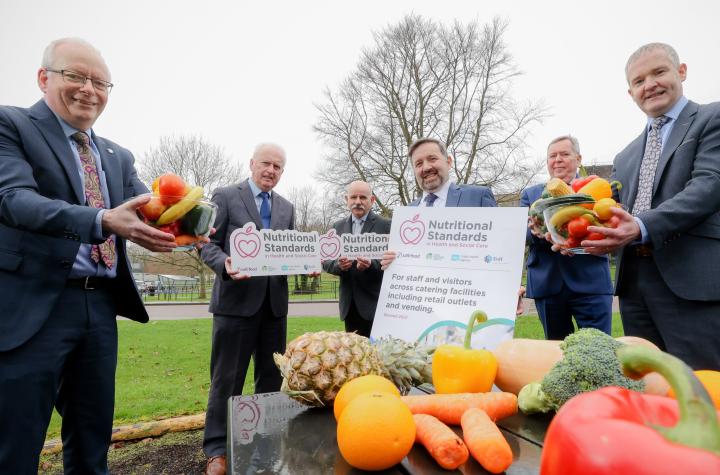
{"x":67,"y":204}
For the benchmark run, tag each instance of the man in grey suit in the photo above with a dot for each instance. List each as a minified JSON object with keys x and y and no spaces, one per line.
{"x":669,"y":242}
{"x":68,"y":204}
{"x":431,"y":163}
{"x":360,"y":279}
{"x":249,"y":313}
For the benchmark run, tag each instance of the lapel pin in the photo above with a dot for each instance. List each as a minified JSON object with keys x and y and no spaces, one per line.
{"x":110,"y":150}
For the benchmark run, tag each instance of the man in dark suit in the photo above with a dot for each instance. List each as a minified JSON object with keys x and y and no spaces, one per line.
{"x":563,"y":286}
{"x":360,"y":279}
{"x":669,"y":241}
{"x":64,"y":271}
{"x":431,"y":163}
{"x":249,"y":313}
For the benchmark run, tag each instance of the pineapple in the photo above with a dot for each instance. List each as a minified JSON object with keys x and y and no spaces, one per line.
{"x":316,"y":365}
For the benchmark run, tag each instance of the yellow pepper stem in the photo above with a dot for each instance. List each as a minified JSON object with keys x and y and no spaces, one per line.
{"x":478,"y":316}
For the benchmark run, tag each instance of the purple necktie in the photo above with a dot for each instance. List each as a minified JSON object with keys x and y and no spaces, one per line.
{"x":93,"y":195}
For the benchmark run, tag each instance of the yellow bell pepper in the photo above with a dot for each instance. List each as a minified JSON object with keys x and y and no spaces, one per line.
{"x":460,"y":369}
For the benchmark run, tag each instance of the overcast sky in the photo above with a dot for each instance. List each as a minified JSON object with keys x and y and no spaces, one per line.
{"x":239,"y":73}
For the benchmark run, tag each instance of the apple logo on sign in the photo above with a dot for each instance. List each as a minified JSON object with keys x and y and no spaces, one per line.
{"x":329,"y":245}
{"x":412,"y":231}
{"x":247,"y":242}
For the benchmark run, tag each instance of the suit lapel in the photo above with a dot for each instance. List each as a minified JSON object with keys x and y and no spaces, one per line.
{"x":112,"y":171}
{"x":50,"y":128}
{"x":278,"y":216}
{"x":453,"y":196}
{"x":249,"y":201}
{"x":346,"y":227}
{"x":369,"y":223}
{"x":680,"y":129}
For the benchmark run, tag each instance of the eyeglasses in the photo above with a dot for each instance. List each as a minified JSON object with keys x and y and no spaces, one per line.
{"x":77,"y":78}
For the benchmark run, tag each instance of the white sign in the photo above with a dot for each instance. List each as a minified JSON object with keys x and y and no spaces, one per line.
{"x":271,"y":252}
{"x":450,"y":263}
{"x":352,"y":246}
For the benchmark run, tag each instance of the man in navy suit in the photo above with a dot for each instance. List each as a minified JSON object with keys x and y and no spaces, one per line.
{"x":565,"y":286}
{"x":66,"y":207}
{"x":431,"y":162}
{"x":669,"y":242}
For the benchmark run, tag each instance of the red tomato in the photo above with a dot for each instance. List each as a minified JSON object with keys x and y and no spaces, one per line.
{"x":172,"y":228}
{"x":612,"y":222}
{"x":577,"y":227}
{"x":153,"y":208}
{"x":595,"y":236}
{"x":171,"y":188}
{"x":572,"y":242}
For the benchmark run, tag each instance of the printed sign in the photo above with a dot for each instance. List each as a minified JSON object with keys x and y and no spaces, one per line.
{"x":451,"y":262}
{"x":271,"y":252}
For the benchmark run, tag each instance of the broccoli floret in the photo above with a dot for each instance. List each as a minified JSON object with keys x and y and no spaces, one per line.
{"x":589,"y":363}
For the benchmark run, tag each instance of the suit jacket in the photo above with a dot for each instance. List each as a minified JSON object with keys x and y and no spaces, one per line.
{"x":363,"y":287}
{"x":243,"y":298}
{"x":43,"y":219}
{"x":548,"y":270}
{"x":466,"y":196}
{"x":683,"y":223}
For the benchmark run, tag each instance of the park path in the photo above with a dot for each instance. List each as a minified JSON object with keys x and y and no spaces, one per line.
{"x":317,"y":308}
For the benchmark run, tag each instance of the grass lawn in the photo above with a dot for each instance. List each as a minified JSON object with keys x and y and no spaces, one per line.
{"x":164,"y":366}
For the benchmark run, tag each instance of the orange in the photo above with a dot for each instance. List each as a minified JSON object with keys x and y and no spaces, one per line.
{"x":711,"y":380}
{"x":375,"y":431}
{"x":361,"y":385}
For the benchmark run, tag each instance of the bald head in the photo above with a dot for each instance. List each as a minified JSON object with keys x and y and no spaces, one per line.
{"x":359,"y":198}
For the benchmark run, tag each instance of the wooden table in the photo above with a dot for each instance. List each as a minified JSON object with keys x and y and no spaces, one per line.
{"x":271,"y":433}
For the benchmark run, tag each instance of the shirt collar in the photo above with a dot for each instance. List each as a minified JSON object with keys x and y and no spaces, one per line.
{"x":441,"y":193}
{"x":256,"y":189}
{"x":674,"y":111}
{"x":360,"y":220}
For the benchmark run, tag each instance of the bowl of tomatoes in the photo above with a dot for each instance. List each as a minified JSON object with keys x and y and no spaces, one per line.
{"x":568,"y":224}
{"x":179,"y":209}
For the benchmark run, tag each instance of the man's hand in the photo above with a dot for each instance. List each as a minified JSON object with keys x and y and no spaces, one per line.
{"x":234,"y":274}
{"x":124,"y":221}
{"x":344,"y":263}
{"x":387,"y":259}
{"x":314,"y":274}
{"x":627,"y":231}
{"x":535,"y":227}
{"x":520,"y":304}
{"x":363,"y":263}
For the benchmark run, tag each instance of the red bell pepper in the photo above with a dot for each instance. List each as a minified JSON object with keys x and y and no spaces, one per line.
{"x":578,"y":183}
{"x":615,"y":430}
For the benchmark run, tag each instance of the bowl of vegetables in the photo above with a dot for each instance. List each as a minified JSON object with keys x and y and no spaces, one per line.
{"x":568,"y":223}
{"x":178,"y":208}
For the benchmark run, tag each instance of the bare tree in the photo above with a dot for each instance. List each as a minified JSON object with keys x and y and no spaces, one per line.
{"x":422,"y":78}
{"x":200,"y":163}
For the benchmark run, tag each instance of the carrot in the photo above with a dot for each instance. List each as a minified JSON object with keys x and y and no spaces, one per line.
{"x":444,"y":445}
{"x":449,"y":408}
{"x":485,"y":441}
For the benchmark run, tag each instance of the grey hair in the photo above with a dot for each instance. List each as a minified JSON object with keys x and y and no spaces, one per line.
{"x":422,"y":140}
{"x":48,"y":58}
{"x":263,"y":145}
{"x":669,"y":50}
{"x":572,"y":139}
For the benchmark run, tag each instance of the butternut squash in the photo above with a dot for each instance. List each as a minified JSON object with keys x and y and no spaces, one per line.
{"x":522,"y":361}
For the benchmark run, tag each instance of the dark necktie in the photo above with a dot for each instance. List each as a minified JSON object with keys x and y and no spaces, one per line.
{"x":648,"y":166}
{"x":265,"y":209}
{"x":430,"y":199}
{"x":93,"y":195}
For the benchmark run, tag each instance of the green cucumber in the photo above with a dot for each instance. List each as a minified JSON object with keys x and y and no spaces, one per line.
{"x":196,"y":222}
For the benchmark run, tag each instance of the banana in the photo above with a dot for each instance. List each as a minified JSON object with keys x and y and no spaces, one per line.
{"x":179,"y":209}
{"x":566,"y":214}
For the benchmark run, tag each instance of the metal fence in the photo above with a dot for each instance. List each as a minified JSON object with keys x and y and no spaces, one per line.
{"x":157,"y":292}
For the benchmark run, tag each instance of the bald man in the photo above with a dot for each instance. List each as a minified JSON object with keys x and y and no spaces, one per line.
{"x":360,"y":279}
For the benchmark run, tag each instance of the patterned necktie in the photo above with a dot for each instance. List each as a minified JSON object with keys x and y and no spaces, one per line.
{"x":265,"y":209}
{"x":653,"y":148}
{"x":93,"y":195}
{"x":430,"y":199}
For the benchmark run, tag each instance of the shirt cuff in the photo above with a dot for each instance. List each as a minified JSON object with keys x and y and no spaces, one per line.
{"x":97,"y":229}
{"x":643,"y":232}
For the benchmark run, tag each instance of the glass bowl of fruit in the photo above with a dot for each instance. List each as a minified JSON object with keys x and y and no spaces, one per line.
{"x":178,"y":209}
{"x":568,"y":223}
